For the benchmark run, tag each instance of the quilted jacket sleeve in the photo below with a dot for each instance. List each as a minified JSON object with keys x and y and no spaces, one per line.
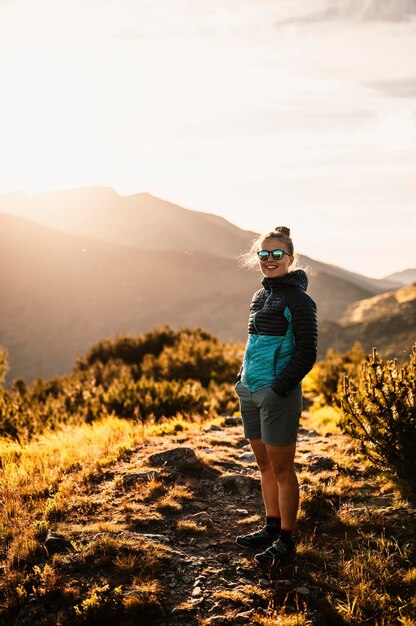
{"x":305,"y":332}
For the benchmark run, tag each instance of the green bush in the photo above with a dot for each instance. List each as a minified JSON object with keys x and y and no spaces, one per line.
{"x":156,"y":375}
{"x":379,"y":410}
{"x":129,"y":350}
{"x":195,"y":354}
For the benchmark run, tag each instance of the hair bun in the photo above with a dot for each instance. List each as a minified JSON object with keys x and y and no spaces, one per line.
{"x":283,"y":229}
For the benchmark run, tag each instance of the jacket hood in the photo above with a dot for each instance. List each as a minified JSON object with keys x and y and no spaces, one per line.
{"x":297,"y":278}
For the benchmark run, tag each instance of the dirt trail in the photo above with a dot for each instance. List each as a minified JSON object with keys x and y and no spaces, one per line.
{"x":209,"y":576}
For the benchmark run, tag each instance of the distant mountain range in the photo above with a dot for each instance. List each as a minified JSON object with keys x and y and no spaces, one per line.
{"x":405,"y":278}
{"x":387,"y":321}
{"x":89,"y":264}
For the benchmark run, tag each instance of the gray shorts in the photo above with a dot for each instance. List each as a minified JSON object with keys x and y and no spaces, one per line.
{"x":275,"y":421}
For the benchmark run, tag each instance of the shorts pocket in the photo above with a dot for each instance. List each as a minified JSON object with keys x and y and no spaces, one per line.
{"x":270,"y":400}
{"x":240,"y":389}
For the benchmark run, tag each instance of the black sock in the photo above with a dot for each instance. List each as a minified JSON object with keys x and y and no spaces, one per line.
{"x":286,"y":536}
{"x":273,"y":524}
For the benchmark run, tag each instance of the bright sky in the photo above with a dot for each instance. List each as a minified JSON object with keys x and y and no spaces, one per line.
{"x":267,"y":112}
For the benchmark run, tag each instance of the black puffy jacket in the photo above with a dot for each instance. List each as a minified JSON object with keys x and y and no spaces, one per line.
{"x":283,"y":334}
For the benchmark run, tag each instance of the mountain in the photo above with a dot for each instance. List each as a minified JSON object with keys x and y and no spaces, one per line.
{"x":406,"y":277}
{"x":141,"y":220}
{"x":387,"y":321}
{"x":62,"y":293}
{"x":151,"y":263}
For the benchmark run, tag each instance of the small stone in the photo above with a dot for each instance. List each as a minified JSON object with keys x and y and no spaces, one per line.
{"x":200,"y":579}
{"x":248,"y":457}
{"x":130,"y":479}
{"x":223,"y":557}
{"x":181,"y":458}
{"x":155,"y":537}
{"x":232,"y":421}
{"x":263,"y":582}
{"x":212,"y":428}
{"x":201,"y":516}
{"x":239,"y":484}
{"x":55,"y":542}
{"x":199,"y":505}
{"x":196,"y":591}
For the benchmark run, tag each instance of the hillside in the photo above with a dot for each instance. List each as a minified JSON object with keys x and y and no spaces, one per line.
{"x":406,"y":277}
{"x":140,"y":220}
{"x":142,"y":531}
{"x":148,"y":263}
{"x":62,"y":293}
{"x":387,"y":321}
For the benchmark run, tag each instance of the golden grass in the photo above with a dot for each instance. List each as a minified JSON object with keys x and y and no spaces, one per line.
{"x":279,"y":619}
{"x":31,"y":471}
{"x":190,"y":527}
{"x":242,"y":595}
{"x":172,"y":501}
{"x":249,"y":521}
{"x":142,"y":595}
{"x":360,"y":569}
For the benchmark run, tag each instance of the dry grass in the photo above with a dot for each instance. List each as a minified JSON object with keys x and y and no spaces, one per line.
{"x":33,"y":476}
{"x":354,"y":536}
{"x":279,"y":618}
{"x":189,"y":527}
{"x":172,"y":501}
{"x":141,"y":596}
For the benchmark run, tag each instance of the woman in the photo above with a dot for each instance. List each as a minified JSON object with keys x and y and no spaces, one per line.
{"x":280,"y":351}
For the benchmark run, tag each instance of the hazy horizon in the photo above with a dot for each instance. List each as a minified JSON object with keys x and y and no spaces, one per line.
{"x":45,"y":222}
{"x":263,"y":112}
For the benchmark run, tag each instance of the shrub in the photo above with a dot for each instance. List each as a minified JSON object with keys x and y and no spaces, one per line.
{"x":195,"y":354}
{"x":159,"y":374}
{"x":379,"y":410}
{"x":129,"y":350}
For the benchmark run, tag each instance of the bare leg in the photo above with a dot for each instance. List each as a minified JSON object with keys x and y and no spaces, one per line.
{"x":269,"y":484}
{"x":282,"y":462}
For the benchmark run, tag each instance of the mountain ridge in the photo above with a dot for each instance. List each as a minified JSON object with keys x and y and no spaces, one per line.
{"x":63,"y":292}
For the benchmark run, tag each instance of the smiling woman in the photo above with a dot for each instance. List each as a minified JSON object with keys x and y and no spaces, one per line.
{"x":280,"y":351}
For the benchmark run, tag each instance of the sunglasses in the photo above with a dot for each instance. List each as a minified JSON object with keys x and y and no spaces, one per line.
{"x":276,"y":254}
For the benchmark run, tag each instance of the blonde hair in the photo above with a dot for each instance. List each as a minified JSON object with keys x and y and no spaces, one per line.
{"x":249,"y":259}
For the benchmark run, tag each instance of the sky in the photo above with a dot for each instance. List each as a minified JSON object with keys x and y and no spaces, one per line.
{"x":266,"y":112}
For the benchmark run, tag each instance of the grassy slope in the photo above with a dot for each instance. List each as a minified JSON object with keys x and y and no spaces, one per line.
{"x":355,"y":563}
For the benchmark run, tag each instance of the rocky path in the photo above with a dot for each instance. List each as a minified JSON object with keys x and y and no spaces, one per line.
{"x":191,"y":495}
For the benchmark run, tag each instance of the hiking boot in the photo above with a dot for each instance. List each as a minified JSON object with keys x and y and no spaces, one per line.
{"x":278,"y":551}
{"x":262,"y":538}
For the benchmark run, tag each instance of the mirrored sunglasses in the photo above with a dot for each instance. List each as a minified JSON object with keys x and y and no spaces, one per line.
{"x":276,"y":254}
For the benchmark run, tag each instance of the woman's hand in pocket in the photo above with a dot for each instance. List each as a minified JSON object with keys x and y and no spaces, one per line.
{"x":270,"y":399}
